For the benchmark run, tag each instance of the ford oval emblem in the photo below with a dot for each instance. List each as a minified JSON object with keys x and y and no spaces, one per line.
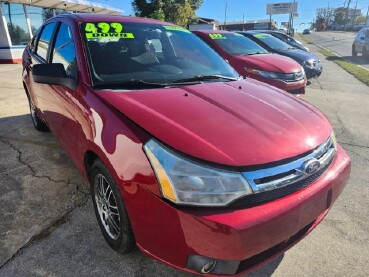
{"x":311,"y":166}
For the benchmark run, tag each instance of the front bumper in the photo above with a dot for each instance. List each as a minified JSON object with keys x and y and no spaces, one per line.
{"x":297,"y":87}
{"x":243,"y":238}
{"x":314,"y":72}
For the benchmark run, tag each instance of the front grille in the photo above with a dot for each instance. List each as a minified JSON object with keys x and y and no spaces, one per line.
{"x":260,"y":198}
{"x":294,"y":77}
{"x":275,"y":182}
{"x":297,"y":91}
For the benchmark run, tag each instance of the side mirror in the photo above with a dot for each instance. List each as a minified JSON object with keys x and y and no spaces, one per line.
{"x":53,"y":74}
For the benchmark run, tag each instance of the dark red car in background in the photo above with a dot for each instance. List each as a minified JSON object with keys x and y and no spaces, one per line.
{"x":200,"y":169}
{"x":251,"y":60}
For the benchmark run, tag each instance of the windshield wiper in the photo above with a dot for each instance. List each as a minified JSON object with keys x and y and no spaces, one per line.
{"x":131,"y":83}
{"x":257,"y":53}
{"x":199,"y":78}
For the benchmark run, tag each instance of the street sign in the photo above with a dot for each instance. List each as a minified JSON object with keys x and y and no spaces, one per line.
{"x":281,"y":8}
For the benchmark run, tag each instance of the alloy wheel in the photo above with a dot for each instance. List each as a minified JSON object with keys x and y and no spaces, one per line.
{"x":107,"y":207}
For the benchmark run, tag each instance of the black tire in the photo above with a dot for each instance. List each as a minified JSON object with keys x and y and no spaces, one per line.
{"x":121,"y":240}
{"x":354,"y":53}
{"x":37,"y":122}
{"x":365,"y":52}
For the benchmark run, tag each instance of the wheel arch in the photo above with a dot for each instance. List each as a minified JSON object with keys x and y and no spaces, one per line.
{"x":26,"y":89}
{"x":89,"y":158}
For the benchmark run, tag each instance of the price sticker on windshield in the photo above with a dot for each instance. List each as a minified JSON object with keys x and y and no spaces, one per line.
{"x":261,"y":36}
{"x":106,"y":30}
{"x":176,"y":28}
{"x":217,"y":36}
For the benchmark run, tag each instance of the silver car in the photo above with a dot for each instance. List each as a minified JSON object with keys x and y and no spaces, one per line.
{"x":361,"y":43}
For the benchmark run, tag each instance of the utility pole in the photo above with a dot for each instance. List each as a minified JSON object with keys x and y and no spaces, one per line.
{"x":10,"y":15}
{"x":225,"y":16}
{"x":292,"y":19}
{"x":366,"y":19}
{"x":353,"y":18}
{"x":347,"y":11}
{"x":328,"y":14}
{"x":243,"y":22}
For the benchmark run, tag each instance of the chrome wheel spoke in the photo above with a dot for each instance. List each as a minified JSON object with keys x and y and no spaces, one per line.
{"x":113,"y":224}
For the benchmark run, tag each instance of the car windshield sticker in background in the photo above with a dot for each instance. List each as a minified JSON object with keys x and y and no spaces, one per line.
{"x":261,"y":36}
{"x":106,"y":30}
{"x":217,"y":36}
{"x":176,"y":28}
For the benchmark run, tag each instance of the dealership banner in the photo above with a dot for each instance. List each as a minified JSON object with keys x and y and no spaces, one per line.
{"x":281,"y":8}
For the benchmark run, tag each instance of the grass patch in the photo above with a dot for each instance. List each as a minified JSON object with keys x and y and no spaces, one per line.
{"x":306,"y":39}
{"x":360,"y":73}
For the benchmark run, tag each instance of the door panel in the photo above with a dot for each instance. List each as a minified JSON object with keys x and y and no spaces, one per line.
{"x":63,"y":108}
{"x":40,"y":54}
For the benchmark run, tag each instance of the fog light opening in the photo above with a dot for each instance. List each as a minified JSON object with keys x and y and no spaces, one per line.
{"x":208,"y":267}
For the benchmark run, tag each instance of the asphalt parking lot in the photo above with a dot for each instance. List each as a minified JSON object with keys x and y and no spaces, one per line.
{"x":48,"y":227}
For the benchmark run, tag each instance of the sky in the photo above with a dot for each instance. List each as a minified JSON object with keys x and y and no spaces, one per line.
{"x":253,"y":9}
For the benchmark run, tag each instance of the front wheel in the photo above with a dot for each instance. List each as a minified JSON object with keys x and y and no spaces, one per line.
{"x":354,"y":53}
{"x":110,"y":210}
{"x":37,"y":122}
{"x":365,"y":52}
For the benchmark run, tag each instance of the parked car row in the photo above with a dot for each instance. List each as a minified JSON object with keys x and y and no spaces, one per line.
{"x":252,"y":60}
{"x":198,"y":167}
{"x":347,"y":27}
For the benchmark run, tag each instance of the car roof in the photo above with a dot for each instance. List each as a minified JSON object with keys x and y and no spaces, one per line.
{"x":92,"y":17}
{"x":212,"y":32}
{"x":250,"y":32}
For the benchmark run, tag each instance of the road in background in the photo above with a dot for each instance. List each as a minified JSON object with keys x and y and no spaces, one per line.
{"x":340,"y":43}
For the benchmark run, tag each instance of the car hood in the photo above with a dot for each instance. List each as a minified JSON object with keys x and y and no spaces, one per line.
{"x":238,"y":123}
{"x":271,"y":62}
{"x":298,"y":54}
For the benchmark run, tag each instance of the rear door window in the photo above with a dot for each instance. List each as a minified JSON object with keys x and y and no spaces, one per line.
{"x":44,"y":41}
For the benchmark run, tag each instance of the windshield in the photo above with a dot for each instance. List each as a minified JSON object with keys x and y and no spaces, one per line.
{"x":237,"y":44}
{"x":120,"y":52}
{"x":272,"y":41}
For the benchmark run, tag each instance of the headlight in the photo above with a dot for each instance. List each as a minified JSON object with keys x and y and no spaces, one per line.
{"x":270,"y":74}
{"x":334,"y":140}
{"x":310,"y":63}
{"x":186,"y":182}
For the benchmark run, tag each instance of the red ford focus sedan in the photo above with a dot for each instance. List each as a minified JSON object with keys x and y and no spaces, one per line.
{"x":202,"y":170}
{"x":252,"y":60}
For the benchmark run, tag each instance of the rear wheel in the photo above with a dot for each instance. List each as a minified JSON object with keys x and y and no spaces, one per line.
{"x":354,"y":53}
{"x":110,"y":210}
{"x":37,"y":122}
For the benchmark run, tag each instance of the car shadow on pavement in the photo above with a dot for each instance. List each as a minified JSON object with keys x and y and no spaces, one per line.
{"x":357,"y":60}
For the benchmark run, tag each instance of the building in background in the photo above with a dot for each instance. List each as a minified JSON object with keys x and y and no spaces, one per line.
{"x":260,"y":24}
{"x":19,"y":20}
{"x":205,"y":24}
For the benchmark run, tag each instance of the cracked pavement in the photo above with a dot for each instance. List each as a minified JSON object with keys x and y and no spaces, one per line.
{"x":48,"y":227}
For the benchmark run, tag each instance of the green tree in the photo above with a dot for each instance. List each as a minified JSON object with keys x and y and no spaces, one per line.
{"x":17,"y":34}
{"x":360,"y":19}
{"x":180,"y":12}
{"x":340,"y":16}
